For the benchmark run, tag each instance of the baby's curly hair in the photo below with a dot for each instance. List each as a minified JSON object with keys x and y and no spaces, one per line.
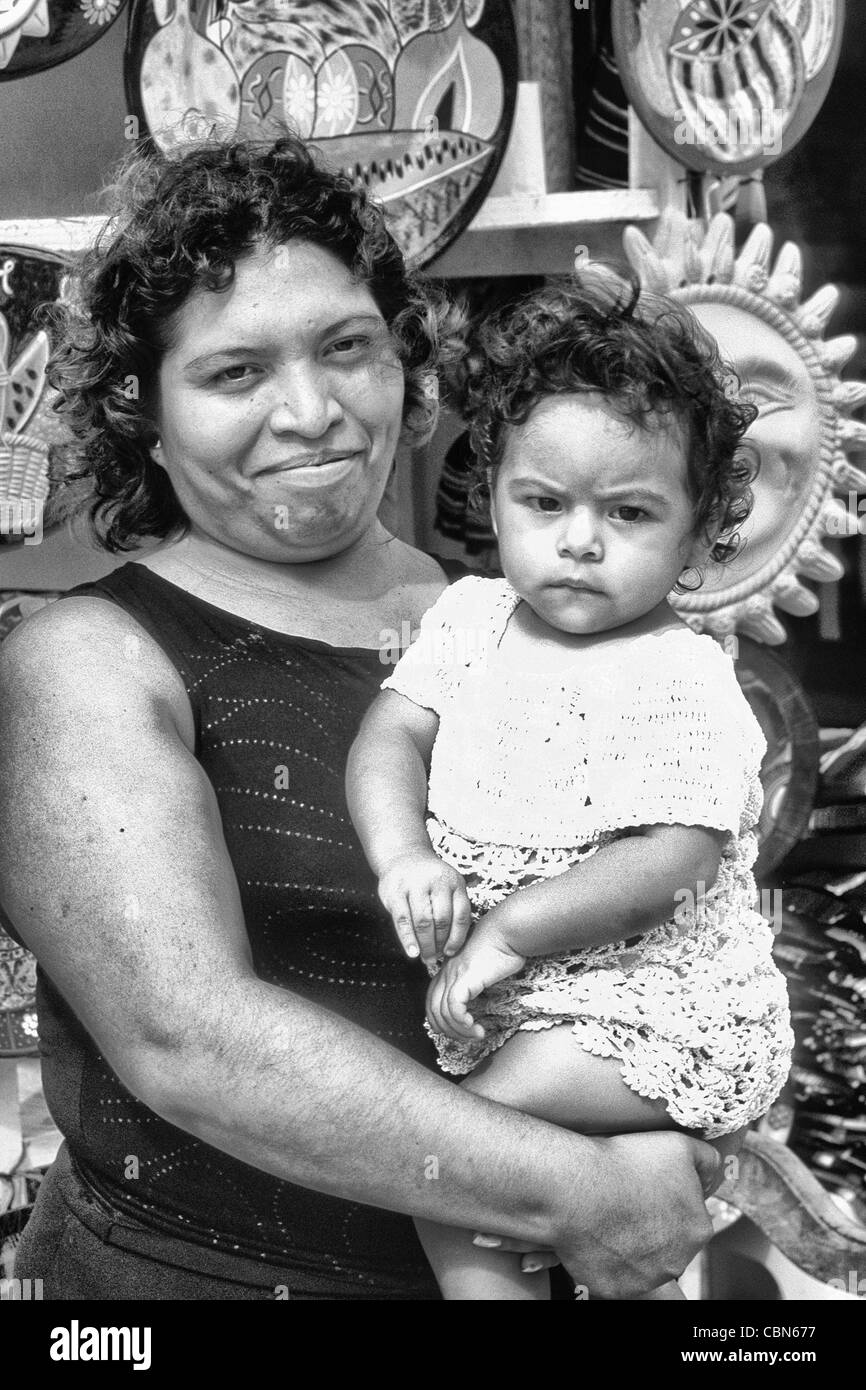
{"x":647,"y":355}
{"x":179,"y":223}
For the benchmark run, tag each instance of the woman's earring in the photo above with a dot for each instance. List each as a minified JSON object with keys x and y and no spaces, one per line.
{"x":157,"y":443}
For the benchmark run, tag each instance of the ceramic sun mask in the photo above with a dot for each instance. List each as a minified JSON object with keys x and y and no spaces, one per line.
{"x":413,"y":98}
{"x":775,"y":345}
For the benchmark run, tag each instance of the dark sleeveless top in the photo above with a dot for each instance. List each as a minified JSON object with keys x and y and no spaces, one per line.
{"x":274,"y":719}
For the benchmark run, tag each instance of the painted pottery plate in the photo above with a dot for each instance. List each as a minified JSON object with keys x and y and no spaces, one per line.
{"x":39,"y":34}
{"x":727,"y":85}
{"x":789,"y":771}
{"x":413,"y":98}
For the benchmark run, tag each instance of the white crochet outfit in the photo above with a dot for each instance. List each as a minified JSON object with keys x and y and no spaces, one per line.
{"x":532,"y":772}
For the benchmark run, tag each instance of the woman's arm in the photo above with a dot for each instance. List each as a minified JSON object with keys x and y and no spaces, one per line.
{"x":386,"y":789}
{"x":114,"y":870}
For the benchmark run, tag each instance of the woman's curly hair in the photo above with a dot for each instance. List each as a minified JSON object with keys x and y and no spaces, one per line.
{"x":179,"y":223}
{"x":649,"y":356}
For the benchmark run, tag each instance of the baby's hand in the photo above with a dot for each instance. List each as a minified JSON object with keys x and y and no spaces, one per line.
{"x":428,"y":903}
{"x":484,"y":961}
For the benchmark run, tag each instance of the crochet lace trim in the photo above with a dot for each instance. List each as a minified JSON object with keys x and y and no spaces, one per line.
{"x":694,"y":1010}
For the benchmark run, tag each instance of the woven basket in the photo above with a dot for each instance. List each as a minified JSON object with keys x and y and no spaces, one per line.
{"x":23,"y":468}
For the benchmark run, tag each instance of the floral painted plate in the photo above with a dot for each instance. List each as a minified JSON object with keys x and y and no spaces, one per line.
{"x":789,"y":770}
{"x":727,"y":85}
{"x":413,"y":98}
{"x":39,"y":34}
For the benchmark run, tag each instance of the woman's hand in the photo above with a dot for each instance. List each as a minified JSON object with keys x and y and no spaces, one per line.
{"x":428,"y":903}
{"x":646,"y":1194}
{"x":644,"y":1199}
{"x":484,"y":961}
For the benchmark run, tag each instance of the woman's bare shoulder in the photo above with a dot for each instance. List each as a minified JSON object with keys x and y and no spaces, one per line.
{"x":89,"y":650}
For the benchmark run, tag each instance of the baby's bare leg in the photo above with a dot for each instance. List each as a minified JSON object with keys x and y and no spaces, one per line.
{"x":548,"y":1075}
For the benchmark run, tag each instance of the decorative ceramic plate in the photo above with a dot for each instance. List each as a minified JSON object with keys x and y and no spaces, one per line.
{"x":39,"y":34}
{"x":727,"y":85}
{"x":789,"y":771}
{"x":413,"y":98}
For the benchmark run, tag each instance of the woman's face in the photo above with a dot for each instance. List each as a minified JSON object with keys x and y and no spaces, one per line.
{"x":280,"y":406}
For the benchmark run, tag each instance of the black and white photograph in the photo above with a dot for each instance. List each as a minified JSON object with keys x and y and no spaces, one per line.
{"x":432,"y":669}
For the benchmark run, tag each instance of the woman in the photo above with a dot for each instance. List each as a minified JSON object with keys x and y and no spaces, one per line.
{"x":232,"y":1038}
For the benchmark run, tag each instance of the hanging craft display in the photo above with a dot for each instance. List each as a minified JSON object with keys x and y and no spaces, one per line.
{"x":727,"y":85}
{"x":775,"y":344}
{"x":414,"y":100}
{"x":822,"y":950}
{"x":28,"y":426}
{"x":18,"y":1023}
{"x":39,"y":34}
{"x":28,"y":279}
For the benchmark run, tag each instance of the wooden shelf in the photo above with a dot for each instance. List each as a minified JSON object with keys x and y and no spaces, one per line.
{"x":548,"y":210}
{"x":537,"y":235}
{"x":528,"y":235}
{"x":60,"y":234}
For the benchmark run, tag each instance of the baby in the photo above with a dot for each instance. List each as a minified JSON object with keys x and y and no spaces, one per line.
{"x":578,"y":861}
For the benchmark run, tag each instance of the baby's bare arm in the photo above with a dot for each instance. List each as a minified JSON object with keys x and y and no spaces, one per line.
{"x":386,"y":787}
{"x":623,"y":890}
{"x":386,"y":778}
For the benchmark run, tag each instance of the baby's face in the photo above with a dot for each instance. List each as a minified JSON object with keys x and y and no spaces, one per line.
{"x":592,"y":514}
